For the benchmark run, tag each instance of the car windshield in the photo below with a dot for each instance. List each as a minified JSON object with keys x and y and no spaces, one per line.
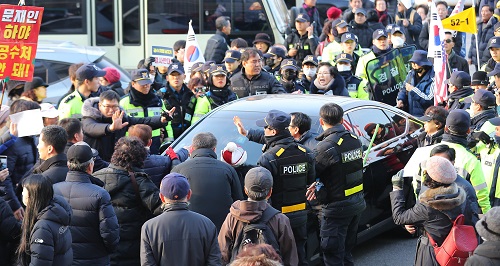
{"x":221,"y":125}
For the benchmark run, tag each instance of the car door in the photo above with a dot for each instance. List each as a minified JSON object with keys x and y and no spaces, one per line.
{"x":385,"y":156}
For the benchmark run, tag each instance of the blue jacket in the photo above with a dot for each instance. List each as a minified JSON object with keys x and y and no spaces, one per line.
{"x":158,"y":166}
{"x":94,"y":226}
{"x":50,"y":241}
{"x":422,"y":96}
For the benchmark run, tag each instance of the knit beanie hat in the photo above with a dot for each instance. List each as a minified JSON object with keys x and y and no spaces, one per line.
{"x":441,"y":170}
{"x":489,"y":226}
{"x":112,"y":75}
{"x":233,"y":154}
{"x":333,"y":13}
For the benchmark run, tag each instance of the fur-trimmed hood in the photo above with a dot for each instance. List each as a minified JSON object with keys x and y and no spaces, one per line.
{"x":443,"y":198}
{"x":90,"y":109}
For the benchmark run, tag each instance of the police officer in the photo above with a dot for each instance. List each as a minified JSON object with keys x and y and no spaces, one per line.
{"x":87,"y":77}
{"x":292,"y":167}
{"x":178,"y":95}
{"x":491,"y":164}
{"x":355,"y":85}
{"x":232,"y":62}
{"x":301,"y":41}
{"x":274,"y":57}
{"x":289,"y":77}
{"x":339,"y":168}
{"x":141,"y":101}
{"x":309,"y":69}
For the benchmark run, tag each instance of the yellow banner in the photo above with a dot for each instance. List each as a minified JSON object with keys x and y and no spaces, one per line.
{"x":464,"y":21}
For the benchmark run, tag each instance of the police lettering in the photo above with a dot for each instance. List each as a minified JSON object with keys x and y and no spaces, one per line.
{"x":352,"y":155}
{"x":294,"y":169}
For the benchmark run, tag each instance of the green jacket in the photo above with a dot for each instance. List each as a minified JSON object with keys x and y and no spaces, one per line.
{"x":71,"y":106}
{"x":138,"y":111}
{"x":361,"y":68}
{"x":201,"y":108}
{"x":469,"y":167}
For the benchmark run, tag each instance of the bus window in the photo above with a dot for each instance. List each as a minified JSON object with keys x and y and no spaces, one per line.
{"x":105,"y":27}
{"x":131,"y":28}
{"x":172,"y":16}
{"x":246,"y":16}
{"x":60,"y":16}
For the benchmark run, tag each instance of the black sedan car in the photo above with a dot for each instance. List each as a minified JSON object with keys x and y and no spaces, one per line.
{"x":388,"y":154}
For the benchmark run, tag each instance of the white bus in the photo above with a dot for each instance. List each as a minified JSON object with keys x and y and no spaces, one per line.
{"x":127,"y":29}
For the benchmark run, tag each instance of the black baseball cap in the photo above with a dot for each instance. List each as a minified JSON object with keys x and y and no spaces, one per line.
{"x":89,"y":71}
{"x":302,"y":17}
{"x":494,"y":43}
{"x":379,"y":33}
{"x":310,"y":59}
{"x":175,"y":67}
{"x":483,"y":97}
{"x":289,"y":64}
{"x":339,"y":23}
{"x":141,"y":76}
{"x":275,"y":51}
{"x":81,"y":152}
{"x":495,"y":71}
{"x":458,"y":121}
{"x":232,"y":56}
{"x":35,"y":83}
{"x":348,"y":36}
{"x":397,"y":29}
{"x":459,"y":79}
{"x":275,"y":119}
{"x":360,"y":10}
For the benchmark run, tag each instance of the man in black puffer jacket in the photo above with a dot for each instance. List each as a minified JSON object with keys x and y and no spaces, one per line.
{"x":215,"y":184}
{"x":104,"y":122}
{"x":94,"y":226}
{"x":251,"y":80}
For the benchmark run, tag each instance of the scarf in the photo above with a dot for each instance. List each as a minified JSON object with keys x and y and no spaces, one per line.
{"x":378,"y":52}
{"x":309,"y":10}
{"x":382,"y":16}
{"x":325,"y":88}
{"x":455,"y":139}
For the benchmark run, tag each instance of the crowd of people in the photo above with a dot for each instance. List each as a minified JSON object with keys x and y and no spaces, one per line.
{"x":92,"y":187}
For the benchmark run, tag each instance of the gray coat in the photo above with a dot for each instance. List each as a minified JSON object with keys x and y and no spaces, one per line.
{"x":179,"y":237}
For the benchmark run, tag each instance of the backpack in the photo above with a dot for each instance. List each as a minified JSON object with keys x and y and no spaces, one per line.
{"x":457,"y":246}
{"x":255,"y":233}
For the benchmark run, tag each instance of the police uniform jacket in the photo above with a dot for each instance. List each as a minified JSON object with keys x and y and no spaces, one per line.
{"x":96,"y":128}
{"x":184,"y":103}
{"x":292,"y":167}
{"x":304,"y":44}
{"x":347,"y":200}
{"x":263,"y":83}
{"x":456,"y":99}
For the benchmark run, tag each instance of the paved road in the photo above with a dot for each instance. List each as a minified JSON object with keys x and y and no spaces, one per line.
{"x":395,"y":247}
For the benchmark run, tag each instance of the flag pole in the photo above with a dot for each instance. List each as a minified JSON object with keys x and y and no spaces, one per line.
{"x":477,"y":44}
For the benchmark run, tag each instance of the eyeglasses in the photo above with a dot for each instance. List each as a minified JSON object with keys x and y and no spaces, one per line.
{"x":110,"y":106}
{"x":448,"y":40}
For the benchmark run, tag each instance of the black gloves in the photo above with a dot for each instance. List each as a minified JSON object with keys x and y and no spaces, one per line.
{"x":398,"y":180}
{"x":148,"y":61}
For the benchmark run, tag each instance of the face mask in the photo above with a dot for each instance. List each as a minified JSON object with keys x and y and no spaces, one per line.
{"x":343,"y":68}
{"x":289,"y":75}
{"x":270,"y":62}
{"x":418,"y":70}
{"x":310,"y":72}
{"x":397,"y":41}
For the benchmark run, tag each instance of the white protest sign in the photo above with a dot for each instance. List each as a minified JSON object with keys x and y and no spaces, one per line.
{"x":29,"y":123}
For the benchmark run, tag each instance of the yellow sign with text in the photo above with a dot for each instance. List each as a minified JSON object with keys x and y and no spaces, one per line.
{"x":464,"y":21}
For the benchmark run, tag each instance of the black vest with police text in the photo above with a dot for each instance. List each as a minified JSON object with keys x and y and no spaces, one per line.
{"x":290,"y":186}
{"x":348,"y":171}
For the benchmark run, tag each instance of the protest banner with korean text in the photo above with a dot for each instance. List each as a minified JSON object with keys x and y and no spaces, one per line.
{"x":19,"y":30}
{"x":163,"y":55}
